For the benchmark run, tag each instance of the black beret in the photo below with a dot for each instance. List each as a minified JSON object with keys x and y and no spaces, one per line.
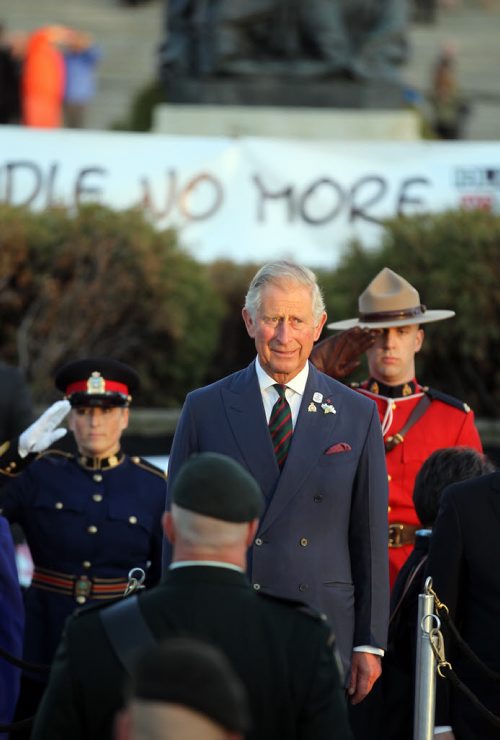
{"x":195,"y":674}
{"x":217,"y":486}
{"x":97,"y":381}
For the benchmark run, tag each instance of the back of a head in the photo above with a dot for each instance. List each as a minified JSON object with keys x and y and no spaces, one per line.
{"x":443,"y":467}
{"x":183,"y":686}
{"x":217,"y":486}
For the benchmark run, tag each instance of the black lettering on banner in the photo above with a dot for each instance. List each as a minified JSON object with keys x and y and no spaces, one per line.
{"x":189,"y":190}
{"x":264,"y":195}
{"x":81,"y":189}
{"x":405,"y":199}
{"x":330,"y":214}
{"x":359,"y":207}
{"x":11,"y":168}
{"x":147,"y":197}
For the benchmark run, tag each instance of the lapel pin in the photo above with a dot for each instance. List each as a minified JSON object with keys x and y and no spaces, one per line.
{"x":328,"y":408}
{"x":311,"y":408}
{"x":317,"y":397}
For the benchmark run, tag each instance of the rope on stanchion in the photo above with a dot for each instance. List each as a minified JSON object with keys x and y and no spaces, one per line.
{"x":444,"y":667}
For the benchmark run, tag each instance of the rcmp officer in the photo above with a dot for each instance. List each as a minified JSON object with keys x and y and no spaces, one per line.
{"x":282,"y":651}
{"x":416,"y":420}
{"x":88,"y":519}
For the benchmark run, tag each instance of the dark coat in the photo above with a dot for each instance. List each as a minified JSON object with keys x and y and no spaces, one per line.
{"x":283,"y":656}
{"x":323,"y":536}
{"x":463,"y":563}
{"x":59,"y":503}
{"x":11,"y":624}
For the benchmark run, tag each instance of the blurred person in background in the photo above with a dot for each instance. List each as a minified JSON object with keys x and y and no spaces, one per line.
{"x":81,"y":58}
{"x":184,"y":689}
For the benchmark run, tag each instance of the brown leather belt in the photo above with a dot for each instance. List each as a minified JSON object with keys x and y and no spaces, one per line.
{"x":402,"y":534}
{"x":80,"y":587}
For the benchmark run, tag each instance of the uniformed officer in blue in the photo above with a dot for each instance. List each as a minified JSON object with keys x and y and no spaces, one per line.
{"x":88,"y":518}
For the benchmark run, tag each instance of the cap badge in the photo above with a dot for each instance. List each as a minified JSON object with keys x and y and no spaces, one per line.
{"x":312,"y":407}
{"x":96,"y":383}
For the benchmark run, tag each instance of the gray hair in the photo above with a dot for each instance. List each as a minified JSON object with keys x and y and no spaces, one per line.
{"x":284,"y":271}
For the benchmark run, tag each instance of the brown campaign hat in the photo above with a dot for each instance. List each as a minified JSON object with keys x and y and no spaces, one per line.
{"x":390,"y":300}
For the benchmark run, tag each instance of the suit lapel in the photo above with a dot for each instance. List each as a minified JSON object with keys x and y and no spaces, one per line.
{"x":245,"y":413}
{"x":312,"y":435}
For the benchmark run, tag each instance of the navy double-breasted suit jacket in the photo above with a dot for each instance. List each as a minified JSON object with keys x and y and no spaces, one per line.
{"x":323,"y":536}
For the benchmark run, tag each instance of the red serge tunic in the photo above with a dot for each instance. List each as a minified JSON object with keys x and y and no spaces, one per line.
{"x":447,"y":422}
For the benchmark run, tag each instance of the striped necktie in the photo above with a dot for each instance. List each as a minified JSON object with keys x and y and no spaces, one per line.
{"x":280,"y":426}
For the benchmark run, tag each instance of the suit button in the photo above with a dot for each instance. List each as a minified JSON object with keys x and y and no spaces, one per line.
{"x":304,"y":542}
{"x":318,"y":498}
{"x":97,"y":497}
{"x":132,"y":519}
{"x":303,"y":587}
{"x":59,"y":505}
{"x":86,"y":563}
{"x":92,"y":529}
{"x":256,"y":586}
{"x":258,"y":542}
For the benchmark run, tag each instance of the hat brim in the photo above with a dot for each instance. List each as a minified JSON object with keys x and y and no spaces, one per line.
{"x":424,"y":318}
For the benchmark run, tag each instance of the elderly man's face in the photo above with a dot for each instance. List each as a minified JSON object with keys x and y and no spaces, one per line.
{"x":284,"y":329}
{"x":98,"y":430}
{"x":391,"y":360}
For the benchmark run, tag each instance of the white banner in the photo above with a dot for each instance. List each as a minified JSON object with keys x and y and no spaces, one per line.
{"x":250,"y":199}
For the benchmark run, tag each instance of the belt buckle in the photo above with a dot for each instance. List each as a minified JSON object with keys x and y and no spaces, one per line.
{"x":82,"y":589}
{"x":395,"y":534}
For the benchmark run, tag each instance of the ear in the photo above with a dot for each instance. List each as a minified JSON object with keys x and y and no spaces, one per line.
{"x":168,"y":526}
{"x":122,"y":725}
{"x":319,"y":326}
{"x":125,"y":418}
{"x":249,"y":322}
{"x":419,"y":340}
{"x":252,"y":531}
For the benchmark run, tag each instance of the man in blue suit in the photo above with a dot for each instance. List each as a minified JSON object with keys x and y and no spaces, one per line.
{"x":321,"y":466}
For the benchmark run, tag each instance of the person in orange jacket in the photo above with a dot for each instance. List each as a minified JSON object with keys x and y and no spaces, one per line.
{"x":416,"y":420}
{"x":43,"y":78}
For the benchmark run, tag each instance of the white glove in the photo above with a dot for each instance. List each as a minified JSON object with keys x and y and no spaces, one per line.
{"x":42,"y":433}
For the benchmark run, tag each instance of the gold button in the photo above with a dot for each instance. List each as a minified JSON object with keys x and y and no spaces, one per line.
{"x":389,"y":508}
{"x":136,"y":460}
{"x":97,"y":477}
{"x":97,"y":497}
{"x":132,"y":519}
{"x":304,"y":542}
{"x":92,"y":529}
{"x":59,"y":505}
{"x":86,"y":563}
{"x":394,"y":407}
{"x":389,"y":477}
{"x":81,"y":599}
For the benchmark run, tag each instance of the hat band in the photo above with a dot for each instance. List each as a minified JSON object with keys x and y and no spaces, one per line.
{"x":406,"y":313}
{"x":109,"y":386}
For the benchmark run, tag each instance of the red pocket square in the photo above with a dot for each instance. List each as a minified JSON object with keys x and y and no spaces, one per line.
{"x":339,"y":447}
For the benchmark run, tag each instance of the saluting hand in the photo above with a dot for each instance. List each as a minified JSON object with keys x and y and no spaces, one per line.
{"x":339,"y":355}
{"x":44,"y":432}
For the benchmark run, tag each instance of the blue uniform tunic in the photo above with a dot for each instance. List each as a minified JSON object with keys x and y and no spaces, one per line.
{"x":88,"y":519}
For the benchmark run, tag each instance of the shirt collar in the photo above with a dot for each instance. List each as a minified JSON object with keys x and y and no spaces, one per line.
{"x":296,"y":384}
{"x":211,"y":563}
